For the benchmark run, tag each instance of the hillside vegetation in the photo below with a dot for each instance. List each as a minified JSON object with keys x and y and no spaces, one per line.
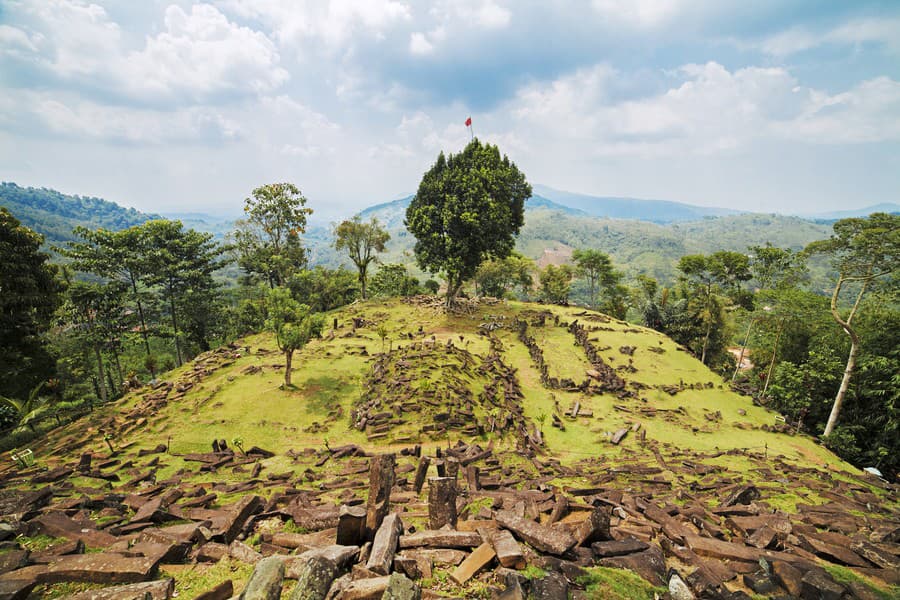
{"x":549,"y":402}
{"x":54,"y":214}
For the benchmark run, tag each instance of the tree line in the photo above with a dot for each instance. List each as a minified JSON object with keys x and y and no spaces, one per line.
{"x":125,"y":305}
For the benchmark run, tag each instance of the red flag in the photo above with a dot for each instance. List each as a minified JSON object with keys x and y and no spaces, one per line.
{"x":469,"y":122}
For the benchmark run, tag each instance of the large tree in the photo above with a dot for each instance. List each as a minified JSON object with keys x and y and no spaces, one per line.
{"x":469,"y":207}
{"x":29,"y":293}
{"x":362,"y":241}
{"x":116,"y":255}
{"x":498,"y":277}
{"x":725,"y":270}
{"x":293,"y":325}
{"x":863,"y":251}
{"x":597,"y":268}
{"x":181,"y":262}
{"x":268,"y":240}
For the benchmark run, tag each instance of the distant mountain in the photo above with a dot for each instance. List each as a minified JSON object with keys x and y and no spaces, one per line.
{"x":55,"y":215}
{"x":391,"y":214}
{"x":217,"y":225}
{"x":885,"y":207}
{"x":655,"y":211}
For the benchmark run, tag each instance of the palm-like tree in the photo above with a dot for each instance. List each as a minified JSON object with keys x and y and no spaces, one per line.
{"x":30,"y":410}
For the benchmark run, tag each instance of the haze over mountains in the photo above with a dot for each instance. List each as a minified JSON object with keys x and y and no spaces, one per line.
{"x":641,"y":236}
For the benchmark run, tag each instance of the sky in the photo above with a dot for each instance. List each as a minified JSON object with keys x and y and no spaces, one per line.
{"x":167,"y":106}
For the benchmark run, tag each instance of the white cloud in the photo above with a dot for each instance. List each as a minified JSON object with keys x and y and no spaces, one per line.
{"x":89,"y":121}
{"x":491,"y":16}
{"x":14,"y":41}
{"x":333,"y":22}
{"x":710,"y":111}
{"x":419,"y":44}
{"x":200,"y":54}
{"x":885,"y":32}
{"x":640,"y":13}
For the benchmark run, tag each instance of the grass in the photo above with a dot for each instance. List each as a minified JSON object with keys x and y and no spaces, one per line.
{"x":330,"y":377}
{"x":844,"y":576}
{"x":201,"y":577}
{"x":605,"y":583}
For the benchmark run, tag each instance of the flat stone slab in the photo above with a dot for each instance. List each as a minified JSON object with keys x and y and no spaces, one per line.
{"x":441,"y":539}
{"x":545,"y":539}
{"x":149,"y":590}
{"x":98,"y":567}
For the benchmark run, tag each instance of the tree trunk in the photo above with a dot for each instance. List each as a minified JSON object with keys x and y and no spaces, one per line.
{"x":101,"y":379}
{"x":362,"y":283}
{"x":845,"y":383}
{"x":743,"y":349}
{"x":774,"y":354}
{"x":140,"y":308}
{"x":854,"y":349}
{"x":453,"y":287}
{"x":708,"y":325}
{"x":175,"y":326}
{"x":288,"y":358}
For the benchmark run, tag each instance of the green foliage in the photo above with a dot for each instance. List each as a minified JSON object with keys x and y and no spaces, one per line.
{"x":181,"y":263}
{"x":617,"y":584}
{"x":323,"y":289}
{"x":292,"y":323}
{"x":597,"y":268}
{"x":268,"y":241}
{"x":863,"y":251}
{"x":393,"y":280}
{"x":362,"y":241}
{"x":469,"y":206}
{"x":54,"y":215}
{"x":774,"y":267}
{"x":556,"y":282}
{"x":29,"y":293}
{"x":498,"y":277}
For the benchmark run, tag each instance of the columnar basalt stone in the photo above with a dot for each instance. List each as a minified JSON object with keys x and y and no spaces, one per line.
{"x":441,"y":502}
{"x":315,"y":575}
{"x":351,"y":529}
{"x":381,"y":480}
{"x":421,"y":471}
{"x":265,"y":581}
{"x":384,"y":545}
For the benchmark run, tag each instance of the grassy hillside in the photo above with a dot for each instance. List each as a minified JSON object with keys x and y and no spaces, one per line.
{"x":653,"y":427}
{"x":427,"y":354}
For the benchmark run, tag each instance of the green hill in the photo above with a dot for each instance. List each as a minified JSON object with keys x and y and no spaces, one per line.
{"x":545,"y":410}
{"x":54,"y":215}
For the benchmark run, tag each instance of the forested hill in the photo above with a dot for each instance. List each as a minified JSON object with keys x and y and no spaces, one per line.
{"x":54,"y":214}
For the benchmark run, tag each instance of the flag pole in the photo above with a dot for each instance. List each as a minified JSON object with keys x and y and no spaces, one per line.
{"x":471,"y":129}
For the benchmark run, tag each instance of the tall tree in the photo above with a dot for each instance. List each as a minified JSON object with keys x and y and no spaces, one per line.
{"x":597,"y":268}
{"x":498,"y":277}
{"x":863,"y":251}
{"x":95,"y":310}
{"x":556,"y":283}
{"x":116,"y":255}
{"x":293,"y":325}
{"x":268,"y":240}
{"x":181,"y":262}
{"x":363,"y":242}
{"x":774,"y":267}
{"x":29,"y":293}
{"x":392,"y":280}
{"x":724,"y":268}
{"x":469,"y":207}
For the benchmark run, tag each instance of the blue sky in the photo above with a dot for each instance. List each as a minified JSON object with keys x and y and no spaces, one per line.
{"x":772,"y":106}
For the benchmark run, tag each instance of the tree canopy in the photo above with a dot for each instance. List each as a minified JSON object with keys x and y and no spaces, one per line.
{"x":863,"y":251}
{"x":363,"y":242}
{"x":29,"y":293}
{"x":268,"y":240}
{"x":469,"y":207}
